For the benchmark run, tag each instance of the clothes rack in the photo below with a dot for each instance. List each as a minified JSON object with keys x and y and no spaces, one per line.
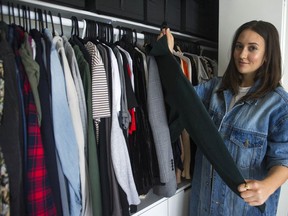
{"x":63,"y":147}
{"x":83,"y":14}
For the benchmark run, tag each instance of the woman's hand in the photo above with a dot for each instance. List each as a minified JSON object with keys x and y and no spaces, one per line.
{"x":170,"y":38}
{"x":254,"y":192}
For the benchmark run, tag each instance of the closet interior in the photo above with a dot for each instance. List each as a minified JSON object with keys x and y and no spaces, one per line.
{"x":75,"y":118}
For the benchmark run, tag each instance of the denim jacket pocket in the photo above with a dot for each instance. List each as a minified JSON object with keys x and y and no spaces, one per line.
{"x":247,"y":147}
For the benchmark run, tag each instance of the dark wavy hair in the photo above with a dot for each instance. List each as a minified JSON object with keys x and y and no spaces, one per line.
{"x":269,"y":74}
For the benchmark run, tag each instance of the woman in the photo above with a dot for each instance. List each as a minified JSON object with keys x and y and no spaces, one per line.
{"x":250,"y":109}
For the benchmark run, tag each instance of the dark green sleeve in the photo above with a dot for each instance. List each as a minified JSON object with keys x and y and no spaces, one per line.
{"x":184,"y":102}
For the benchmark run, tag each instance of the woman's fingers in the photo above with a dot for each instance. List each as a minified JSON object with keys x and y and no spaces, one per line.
{"x":170,"y":38}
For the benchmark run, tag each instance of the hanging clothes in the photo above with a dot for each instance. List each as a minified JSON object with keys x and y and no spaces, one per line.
{"x":73,"y":102}
{"x":100,"y":102}
{"x":46,"y":121}
{"x":65,"y":139}
{"x":10,"y":126}
{"x":39,"y":198}
{"x":70,"y":54}
{"x":119,"y":151}
{"x":141,"y":144}
{"x":160,"y":130}
{"x":92,"y":152}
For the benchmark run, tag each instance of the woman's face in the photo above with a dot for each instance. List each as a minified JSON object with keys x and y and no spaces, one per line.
{"x":249,"y":55}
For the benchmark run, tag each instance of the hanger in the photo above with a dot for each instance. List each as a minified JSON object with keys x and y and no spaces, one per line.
{"x":13,"y":14}
{"x":92,"y":30}
{"x":46,"y":21}
{"x":111,"y":32}
{"x":36,"y":18}
{"x":96,"y":30}
{"x":29,"y":17}
{"x":88,"y":28}
{"x":103,"y":32}
{"x":129,"y":34}
{"x":72,"y":26}
{"x":99,"y":31}
{"x":24,"y":14}
{"x":19,"y":15}
{"x":88,"y":25}
{"x":51,"y":18}
{"x":61,"y":26}
{"x":108,"y":28}
{"x":40,"y":20}
{"x":75,"y":26}
{"x":135,"y":36}
{"x":84,"y":28}
{"x":125,"y":32}
{"x":119,"y":32}
{"x":9,"y":15}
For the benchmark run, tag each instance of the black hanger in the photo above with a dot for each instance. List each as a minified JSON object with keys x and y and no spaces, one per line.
{"x":19,"y":15}
{"x":129,"y":34}
{"x":119,"y":32}
{"x":102,"y":32}
{"x":36,"y":18}
{"x":40,"y":20}
{"x":92,"y":30}
{"x":29,"y":17}
{"x":88,"y":28}
{"x":75,"y":26}
{"x":46,"y":21}
{"x":111,"y":33}
{"x":135,"y":36}
{"x":51,"y":18}
{"x":72,"y":26}
{"x":13,"y":14}
{"x":96,"y":33}
{"x":61,"y":26}
{"x":25,"y":24}
{"x":9,"y":15}
{"x":125,"y":37}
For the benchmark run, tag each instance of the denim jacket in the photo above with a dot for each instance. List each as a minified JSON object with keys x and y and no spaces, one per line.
{"x":256,"y":134}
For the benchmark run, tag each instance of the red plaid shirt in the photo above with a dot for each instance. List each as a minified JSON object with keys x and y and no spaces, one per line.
{"x":39,"y":199}
{"x":39,"y":195}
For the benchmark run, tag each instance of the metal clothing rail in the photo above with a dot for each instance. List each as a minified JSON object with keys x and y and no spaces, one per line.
{"x":18,"y":12}
{"x":67,"y":12}
{"x":56,"y":20}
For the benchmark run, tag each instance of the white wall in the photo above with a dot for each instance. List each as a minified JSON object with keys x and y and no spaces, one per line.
{"x":285,"y":46}
{"x":232,"y":14}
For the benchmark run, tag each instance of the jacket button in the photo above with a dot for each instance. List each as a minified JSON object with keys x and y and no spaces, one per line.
{"x":246,"y":144}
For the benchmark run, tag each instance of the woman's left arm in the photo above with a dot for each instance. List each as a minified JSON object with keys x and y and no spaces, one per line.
{"x":256,"y":192}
